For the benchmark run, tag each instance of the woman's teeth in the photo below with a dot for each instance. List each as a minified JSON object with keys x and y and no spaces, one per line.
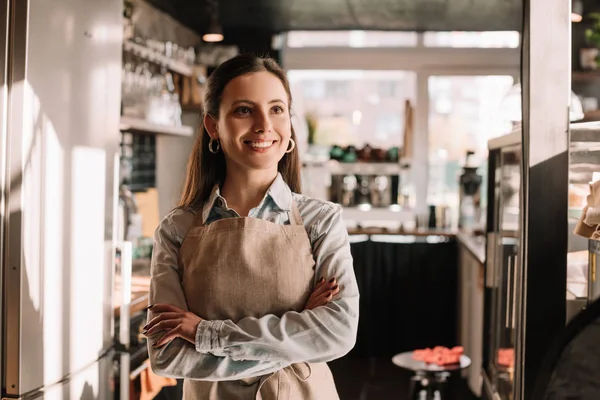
{"x":260,"y":145}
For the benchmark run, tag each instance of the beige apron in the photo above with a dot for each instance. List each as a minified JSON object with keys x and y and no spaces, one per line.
{"x":248,"y":267}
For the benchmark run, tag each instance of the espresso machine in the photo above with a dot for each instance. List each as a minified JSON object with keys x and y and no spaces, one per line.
{"x":352,"y":190}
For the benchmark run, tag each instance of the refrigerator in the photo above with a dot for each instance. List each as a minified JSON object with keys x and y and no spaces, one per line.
{"x":60,"y":66}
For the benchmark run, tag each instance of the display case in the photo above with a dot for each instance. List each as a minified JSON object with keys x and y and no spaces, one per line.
{"x":584,"y":173}
{"x":502,"y":272}
{"x":505,"y":279}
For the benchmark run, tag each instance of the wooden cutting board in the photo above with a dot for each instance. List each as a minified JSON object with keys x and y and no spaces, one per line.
{"x":147,"y":203}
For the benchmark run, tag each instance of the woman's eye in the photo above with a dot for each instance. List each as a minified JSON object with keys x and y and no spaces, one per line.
{"x":242,"y":110}
{"x":278,"y":109}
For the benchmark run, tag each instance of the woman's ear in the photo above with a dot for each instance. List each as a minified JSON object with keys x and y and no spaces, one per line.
{"x":211,"y":126}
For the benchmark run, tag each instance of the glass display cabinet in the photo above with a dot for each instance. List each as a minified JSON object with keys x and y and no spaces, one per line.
{"x":584,"y":173}
{"x":505,"y":279}
{"x":502,"y":272}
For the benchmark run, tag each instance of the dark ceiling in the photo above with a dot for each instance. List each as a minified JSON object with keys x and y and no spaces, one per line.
{"x":285,"y":15}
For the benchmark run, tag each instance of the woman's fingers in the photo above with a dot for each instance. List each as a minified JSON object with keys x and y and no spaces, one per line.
{"x":163,"y":326}
{"x":321,"y":292}
{"x":328,"y":295}
{"x":162,"y":307}
{"x":322,"y":298}
{"x":323,"y":286}
{"x":161,"y":317}
{"x":168,"y":337}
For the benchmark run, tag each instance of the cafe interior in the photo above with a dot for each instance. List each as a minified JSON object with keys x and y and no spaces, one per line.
{"x":458,"y":137}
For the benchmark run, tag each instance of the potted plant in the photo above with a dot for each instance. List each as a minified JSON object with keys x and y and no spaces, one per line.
{"x":311,"y":123}
{"x":589,"y":56}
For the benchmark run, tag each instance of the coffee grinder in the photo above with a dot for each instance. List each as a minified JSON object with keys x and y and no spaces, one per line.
{"x":469,"y":204}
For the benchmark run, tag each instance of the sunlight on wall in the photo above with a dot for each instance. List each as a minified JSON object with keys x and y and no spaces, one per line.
{"x":87,"y":253}
{"x":53,"y":234}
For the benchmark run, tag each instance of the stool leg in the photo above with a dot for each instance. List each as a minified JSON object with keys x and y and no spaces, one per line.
{"x":414,"y":387}
{"x":440,"y":387}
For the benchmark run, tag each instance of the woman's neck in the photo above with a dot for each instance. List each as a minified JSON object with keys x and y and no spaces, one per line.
{"x":243,"y":190}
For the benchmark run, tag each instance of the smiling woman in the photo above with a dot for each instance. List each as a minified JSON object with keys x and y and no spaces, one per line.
{"x":256,"y":129}
{"x":253,"y":287}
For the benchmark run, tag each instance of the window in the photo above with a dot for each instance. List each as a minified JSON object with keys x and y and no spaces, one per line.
{"x":388,"y":127}
{"x":382,"y":70}
{"x":368,"y":106}
{"x":336,"y":89}
{"x":351,"y":39}
{"x":508,"y":39}
{"x":387,"y":88}
{"x":463,"y":115}
{"x":314,"y":90}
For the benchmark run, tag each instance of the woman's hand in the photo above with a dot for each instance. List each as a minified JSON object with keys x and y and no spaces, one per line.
{"x":174,"y":321}
{"x":322,"y":294}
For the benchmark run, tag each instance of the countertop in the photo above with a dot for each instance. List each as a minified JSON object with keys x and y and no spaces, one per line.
{"x":140,"y":287}
{"x":475,"y":245}
{"x":412,"y":232}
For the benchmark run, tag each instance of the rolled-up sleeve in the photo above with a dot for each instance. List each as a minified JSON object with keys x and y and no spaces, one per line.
{"x":319,"y":335}
{"x":179,"y":358}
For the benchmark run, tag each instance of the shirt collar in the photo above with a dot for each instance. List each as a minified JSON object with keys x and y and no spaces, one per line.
{"x":279,"y":192}
{"x":214,"y":195}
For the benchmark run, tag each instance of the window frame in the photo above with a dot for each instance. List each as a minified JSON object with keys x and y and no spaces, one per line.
{"x":425,"y":62}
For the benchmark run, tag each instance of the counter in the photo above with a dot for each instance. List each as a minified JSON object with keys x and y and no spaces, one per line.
{"x":471,"y":273}
{"x":415,"y":232}
{"x":140,"y":288}
{"x":474,"y":244}
{"x":408,"y":291}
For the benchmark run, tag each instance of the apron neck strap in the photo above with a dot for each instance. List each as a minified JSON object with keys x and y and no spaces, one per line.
{"x":295,"y":218}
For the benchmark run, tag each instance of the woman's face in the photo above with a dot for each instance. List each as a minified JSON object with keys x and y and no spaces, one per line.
{"x":254,"y":126}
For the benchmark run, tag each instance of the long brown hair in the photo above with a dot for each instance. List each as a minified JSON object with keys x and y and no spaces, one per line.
{"x":205,"y":169}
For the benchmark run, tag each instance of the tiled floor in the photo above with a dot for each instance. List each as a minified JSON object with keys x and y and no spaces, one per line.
{"x":379,"y":379}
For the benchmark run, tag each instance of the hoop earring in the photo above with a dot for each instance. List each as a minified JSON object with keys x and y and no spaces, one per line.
{"x":210,"y":146}
{"x":293,"y":145}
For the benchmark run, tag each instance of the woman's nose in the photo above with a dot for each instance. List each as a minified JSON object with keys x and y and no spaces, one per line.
{"x":262,"y":123}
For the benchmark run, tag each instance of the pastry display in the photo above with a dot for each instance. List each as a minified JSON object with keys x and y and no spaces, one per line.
{"x":506,"y":358}
{"x":439,"y":355}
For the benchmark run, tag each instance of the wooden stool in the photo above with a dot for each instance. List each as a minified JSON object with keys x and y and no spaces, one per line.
{"x":429,"y":380}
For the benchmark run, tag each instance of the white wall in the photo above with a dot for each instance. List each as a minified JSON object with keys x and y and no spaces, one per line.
{"x":172,"y":154}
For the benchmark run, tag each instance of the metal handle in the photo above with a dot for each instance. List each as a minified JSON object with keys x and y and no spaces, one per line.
{"x":126,"y":261}
{"x":490,"y":261}
{"x":509,"y":290}
{"x":592,"y":272}
{"x":514,"y":294}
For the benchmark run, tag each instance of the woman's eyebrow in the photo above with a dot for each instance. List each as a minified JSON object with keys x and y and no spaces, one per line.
{"x":253,"y":103}
{"x":242,"y":101}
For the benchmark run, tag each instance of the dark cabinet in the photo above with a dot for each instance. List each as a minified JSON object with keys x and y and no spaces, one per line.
{"x":408,"y":293}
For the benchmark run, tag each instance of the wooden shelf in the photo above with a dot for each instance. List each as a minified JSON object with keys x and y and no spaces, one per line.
{"x":139,"y":125}
{"x":591,"y":116}
{"x":585,"y":76}
{"x":158,"y":58}
{"x":192,"y":108}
